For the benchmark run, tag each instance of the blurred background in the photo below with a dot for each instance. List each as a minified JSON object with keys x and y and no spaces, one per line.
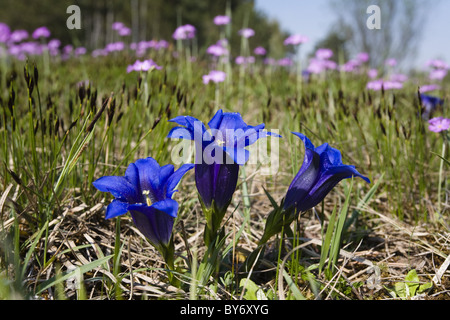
{"x":412,"y":31}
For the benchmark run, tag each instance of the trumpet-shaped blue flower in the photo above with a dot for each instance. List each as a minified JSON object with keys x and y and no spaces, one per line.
{"x":146,"y":192}
{"x":321,"y":171}
{"x":219,"y":153}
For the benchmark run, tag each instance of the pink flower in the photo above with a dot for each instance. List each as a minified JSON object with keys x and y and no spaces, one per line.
{"x":260,"y":51}
{"x":244,"y":60}
{"x":350,"y":66}
{"x":372,"y":73}
{"x":18,"y":35}
{"x":318,"y":65}
{"x":247,"y":32}
{"x":145,"y":65}
{"x":363,"y":57}
{"x":438,"y":64}
{"x":99,"y":52}
{"x":217,"y":50}
{"x":270,"y":61}
{"x":124,"y":31}
{"x":437,"y":74}
{"x":214,"y":76}
{"x":374,"y":85}
{"x":386,"y":85}
{"x":80,"y":51}
{"x":41,"y":32}
{"x":117,"y":26}
{"x":115,"y":46}
{"x":295,"y":39}
{"x":53,"y":47}
{"x":184,"y":32}
{"x":285,"y":62}
{"x":5,"y":32}
{"x":324,"y":54}
{"x":399,"y":77}
{"x":315,"y":66}
{"x":429,"y":87}
{"x":391,"y":62}
{"x":439,"y":124}
{"x":221,"y":20}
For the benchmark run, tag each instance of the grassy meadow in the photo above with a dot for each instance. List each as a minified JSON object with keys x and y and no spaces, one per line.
{"x":66,"y":122}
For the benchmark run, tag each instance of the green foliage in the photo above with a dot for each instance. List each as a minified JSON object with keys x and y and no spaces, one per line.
{"x":251,"y":291}
{"x":409,"y":288}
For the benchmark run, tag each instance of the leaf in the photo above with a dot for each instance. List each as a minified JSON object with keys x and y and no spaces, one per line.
{"x":425,"y":287}
{"x":250,"y":289}
{"x":31,"y":249}
{"x":410,"y":287}
{"x":445,"y":160}
{"x":80,"y":270}
{"x":412,"y":281}
{"x":336,"y":240}
{"x":272,"y":200}
{"x":327,"y":240}
{"x":293,"y":287}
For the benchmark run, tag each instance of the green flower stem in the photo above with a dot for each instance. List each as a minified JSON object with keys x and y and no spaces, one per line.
{"x":167,"y":251}
{"x":441,"y":168}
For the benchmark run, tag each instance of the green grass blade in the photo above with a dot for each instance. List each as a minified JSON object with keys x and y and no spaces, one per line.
{"x":31,"y":249}
{"x":293,"y":287}
{"x":80,"y":270}
{"x":336,"y":240}
{"x":327,"y":240}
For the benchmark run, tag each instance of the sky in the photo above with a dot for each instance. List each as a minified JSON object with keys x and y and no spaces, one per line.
{"x":315,"y":18}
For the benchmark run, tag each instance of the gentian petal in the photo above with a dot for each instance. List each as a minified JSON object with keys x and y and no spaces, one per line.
{"x":214,"y":123}
{"x":149,"y":170}
{"x":306,"y":177}
{"x":154,"y":224}
{"x":347,"y":171}
{"x":305,"y":139}
{"x":321,"y":171}
{"x":239,"y":155}
{"x":116,"y":208}
{"x":226,"y":182}
{"x":193,"y":129}
{"x":205,"y":181}
{"x":175,"y":178}
{"x":324,"y":185}
{"x":119,"y":187}
{"x":167,"y":206}
{"x":165,"y":173}
{"x":231,"y":120}
{"x":181,"y":120}
{"x":132,"y":175}
{"x":181,"y":133}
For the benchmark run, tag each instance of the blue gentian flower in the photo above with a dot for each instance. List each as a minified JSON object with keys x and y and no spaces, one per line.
{"x":429,"y":105}
{"x":321,"y":171}
{"x":146,"y":192}
{"x":219,"y":152}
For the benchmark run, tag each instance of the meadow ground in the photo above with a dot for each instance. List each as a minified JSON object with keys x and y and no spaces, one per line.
{"x":67,"y":122}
